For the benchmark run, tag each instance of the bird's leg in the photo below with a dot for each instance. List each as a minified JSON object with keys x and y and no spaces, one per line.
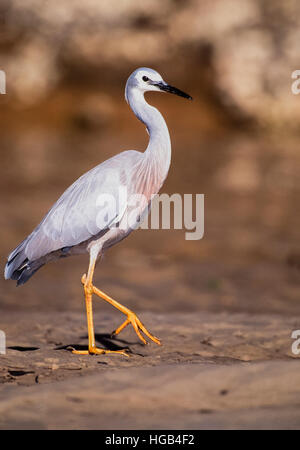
{"x":88,"y":292}
{"x":131,"y":316}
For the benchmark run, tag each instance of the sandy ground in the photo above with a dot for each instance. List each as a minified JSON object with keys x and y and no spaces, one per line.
{"x":212,"y":371}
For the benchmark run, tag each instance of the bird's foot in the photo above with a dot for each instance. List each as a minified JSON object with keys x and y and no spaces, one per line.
{"x":131,"y":316}
{"x":99,"y":351}
{"x":138,"y":327}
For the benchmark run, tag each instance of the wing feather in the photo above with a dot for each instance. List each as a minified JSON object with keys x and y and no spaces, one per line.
{"x":75,"y":217}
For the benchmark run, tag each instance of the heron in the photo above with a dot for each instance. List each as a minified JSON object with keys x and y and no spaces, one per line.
{"x":72,"y":227}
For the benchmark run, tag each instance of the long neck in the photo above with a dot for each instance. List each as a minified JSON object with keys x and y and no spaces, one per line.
{"x":158,"y":152}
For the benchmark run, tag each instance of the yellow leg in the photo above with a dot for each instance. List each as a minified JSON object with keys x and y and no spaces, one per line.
{"x":131,"y":316}
{"x":88,"y":291}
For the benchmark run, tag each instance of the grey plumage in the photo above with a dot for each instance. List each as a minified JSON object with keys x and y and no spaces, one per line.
{"x":72,"y":220}
{"x":72,"y":224}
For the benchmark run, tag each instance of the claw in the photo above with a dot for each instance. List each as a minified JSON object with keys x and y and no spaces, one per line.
{"x":99,"y":351}
{"x":138,"y":327}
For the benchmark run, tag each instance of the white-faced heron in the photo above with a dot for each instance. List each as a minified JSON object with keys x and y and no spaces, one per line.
{"x":75,"y":224}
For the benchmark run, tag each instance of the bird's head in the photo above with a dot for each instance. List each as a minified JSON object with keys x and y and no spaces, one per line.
{"x":145,"y":79}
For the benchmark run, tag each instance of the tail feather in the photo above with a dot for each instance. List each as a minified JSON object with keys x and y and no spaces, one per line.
{"x":15,"y":260}
{"x":26,"y":271}
{"x":19,"y":268}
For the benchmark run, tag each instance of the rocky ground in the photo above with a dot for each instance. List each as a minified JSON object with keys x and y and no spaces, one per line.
{"x":214,"y":370}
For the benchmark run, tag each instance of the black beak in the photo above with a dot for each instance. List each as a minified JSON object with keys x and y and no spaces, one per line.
{"x":173,"y":90}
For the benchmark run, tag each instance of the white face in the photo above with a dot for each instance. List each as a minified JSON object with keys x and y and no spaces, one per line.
{"x":141,"y":79}
{"x":145,"y":77}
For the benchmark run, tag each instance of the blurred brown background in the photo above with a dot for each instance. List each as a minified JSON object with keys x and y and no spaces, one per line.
{"x":238,"y":143}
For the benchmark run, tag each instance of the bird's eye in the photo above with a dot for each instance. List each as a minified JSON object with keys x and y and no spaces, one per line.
{"x":145,"y":78}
